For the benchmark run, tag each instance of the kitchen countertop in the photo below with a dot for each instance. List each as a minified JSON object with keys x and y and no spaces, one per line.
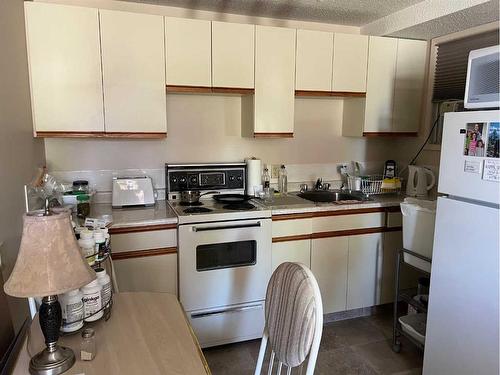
{"x":291,"y":204}
{"x":160,"y":213}
{"x":163,"y":214}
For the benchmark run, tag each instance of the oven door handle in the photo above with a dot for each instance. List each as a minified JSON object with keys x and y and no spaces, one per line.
{"x":225,"y":311}
{"x":223,"y":227}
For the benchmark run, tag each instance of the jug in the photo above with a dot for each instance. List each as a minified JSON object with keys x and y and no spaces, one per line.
{"x":417,"y":181}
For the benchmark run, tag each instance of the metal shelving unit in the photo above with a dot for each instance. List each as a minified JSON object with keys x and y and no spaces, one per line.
{"x":406,"y":295}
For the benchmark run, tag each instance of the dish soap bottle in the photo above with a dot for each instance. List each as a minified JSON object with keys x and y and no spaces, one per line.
{"x":282,"y":180}
{"x":266,"y":181}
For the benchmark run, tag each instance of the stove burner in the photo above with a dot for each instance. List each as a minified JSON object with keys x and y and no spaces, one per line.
{"x":194,"y":204}
{"x":241,"y":206}
{"x":196,"y":210}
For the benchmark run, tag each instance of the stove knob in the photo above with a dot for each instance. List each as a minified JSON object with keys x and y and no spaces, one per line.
{"x":231,"y":178}
{"x":239,"y":178}
{"x":193,"y":180}
{"x":174,"y":180}
{"x":183,"y":180}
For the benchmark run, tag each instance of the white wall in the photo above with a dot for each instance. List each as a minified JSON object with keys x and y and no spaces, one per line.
{"x":207,"y":128}
{"x":20,"y":153}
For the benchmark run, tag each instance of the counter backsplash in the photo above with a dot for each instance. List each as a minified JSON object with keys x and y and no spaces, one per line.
{"x":298,"y":174}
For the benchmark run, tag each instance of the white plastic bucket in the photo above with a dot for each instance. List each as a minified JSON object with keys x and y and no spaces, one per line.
{"x":419,"y":217}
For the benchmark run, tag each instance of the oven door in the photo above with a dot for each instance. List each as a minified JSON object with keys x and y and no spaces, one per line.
{"x":224,"y":263}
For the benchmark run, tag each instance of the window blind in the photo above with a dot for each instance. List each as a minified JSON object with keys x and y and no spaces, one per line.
{"x":451,"y":64}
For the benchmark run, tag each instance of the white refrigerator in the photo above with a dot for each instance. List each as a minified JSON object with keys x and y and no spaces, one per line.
{"x":462,"y":336}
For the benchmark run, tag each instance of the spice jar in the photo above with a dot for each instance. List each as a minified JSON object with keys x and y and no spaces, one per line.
{"x":83,"y":206}
{"x":88,"y":346}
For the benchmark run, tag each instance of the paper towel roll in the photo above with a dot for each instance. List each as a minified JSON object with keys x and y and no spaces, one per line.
{"x":254,"y":175}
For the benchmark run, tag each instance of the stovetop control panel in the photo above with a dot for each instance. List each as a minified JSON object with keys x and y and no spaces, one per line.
{"x":230,"y":176}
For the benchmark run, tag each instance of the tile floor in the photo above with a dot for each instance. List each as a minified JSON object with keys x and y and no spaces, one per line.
{"x":352,"y":347}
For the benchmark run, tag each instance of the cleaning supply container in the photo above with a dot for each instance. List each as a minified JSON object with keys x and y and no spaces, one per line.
{"x":419,"y":217}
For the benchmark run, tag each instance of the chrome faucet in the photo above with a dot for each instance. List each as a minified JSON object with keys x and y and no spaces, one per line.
{"x":319,"y":184}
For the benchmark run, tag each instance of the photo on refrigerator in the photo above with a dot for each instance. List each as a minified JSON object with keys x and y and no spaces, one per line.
{"x":493,"y":148}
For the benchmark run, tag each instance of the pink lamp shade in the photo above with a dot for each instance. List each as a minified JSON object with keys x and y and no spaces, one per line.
{"x":49,"y":260}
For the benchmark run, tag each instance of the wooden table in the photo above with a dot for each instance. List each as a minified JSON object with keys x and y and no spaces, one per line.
{"x":148,"y":333}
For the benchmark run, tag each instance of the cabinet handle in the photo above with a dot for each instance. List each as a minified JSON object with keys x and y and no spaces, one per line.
{"x":205,"y":229}
{"x":231,"y":310}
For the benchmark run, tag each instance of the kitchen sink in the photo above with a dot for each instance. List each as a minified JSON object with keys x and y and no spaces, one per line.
{"x":329,"y":196}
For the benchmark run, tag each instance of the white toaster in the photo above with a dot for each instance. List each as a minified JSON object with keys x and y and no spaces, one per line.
{"x":133,"y":191}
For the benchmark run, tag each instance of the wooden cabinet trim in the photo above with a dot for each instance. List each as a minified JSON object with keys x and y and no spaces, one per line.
{"x":355,"y":211}
{"x":144,"y":253}
{"x":233,"y":90}
{"x":273,"y":135}
{"x":330,"y":93}
{"x":144,"y":228}
{"x":174,"y":89}
{"x":297,"y":237}
{"x":390,"y":134}
{"x":306,"y":215}
{"x":64,"y":134}
{"x":348,"y":232}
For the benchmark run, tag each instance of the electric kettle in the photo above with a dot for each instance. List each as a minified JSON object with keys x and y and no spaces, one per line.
{"x":417,"y":185}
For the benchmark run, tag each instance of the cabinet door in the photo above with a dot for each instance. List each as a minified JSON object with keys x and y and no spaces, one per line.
{"x":233,"y":55}
{"x":133,"y":63}
{"x":329,"y":266}
{"x":291,"y":251}
{"x":350,"y":59}
{"x":314,"y":60}
{"x":364,"y":270}
{"x":380,"y":84}
{"x":409,"y":85}
{"x":188,"y":52}
{"x":147,"y":274}
{"x":65,"y":68}
{"x":274,"y":80}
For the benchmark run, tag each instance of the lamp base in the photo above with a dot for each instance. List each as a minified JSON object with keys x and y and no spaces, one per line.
{"x":52,"y":362}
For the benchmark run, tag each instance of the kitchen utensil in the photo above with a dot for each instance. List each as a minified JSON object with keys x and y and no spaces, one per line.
{"x":232,"y":198}
{"x":133,"y":191}
{"x":417,"y":185}
{"x":193,"y":196}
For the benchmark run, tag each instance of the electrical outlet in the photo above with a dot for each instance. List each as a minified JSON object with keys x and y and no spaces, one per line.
{"x":275,"y":170}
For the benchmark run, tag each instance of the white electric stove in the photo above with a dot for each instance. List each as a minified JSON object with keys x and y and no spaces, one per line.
{"x":224,"y":253}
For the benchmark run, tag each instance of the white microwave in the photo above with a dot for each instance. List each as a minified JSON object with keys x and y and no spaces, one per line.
{"x":482,"y":86}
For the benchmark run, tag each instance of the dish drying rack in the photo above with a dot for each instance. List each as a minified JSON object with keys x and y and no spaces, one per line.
{"x":370,"y":185}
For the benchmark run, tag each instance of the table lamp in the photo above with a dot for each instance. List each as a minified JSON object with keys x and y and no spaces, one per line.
{"x":49,"y":263}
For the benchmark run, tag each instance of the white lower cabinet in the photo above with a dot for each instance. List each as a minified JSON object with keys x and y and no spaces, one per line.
{"x":329,"y":259}
{"x":147,"y":274}
{"x":364,"y":271}
{"x":291,"y":251}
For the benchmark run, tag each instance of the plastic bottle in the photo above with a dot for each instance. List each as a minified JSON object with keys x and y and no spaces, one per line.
{"x":87,"y":246}
{"x":282,"y":180}
{"x":92,"y":301}
{"x":100,"y":244}
{"x":105,"y":281}
{"x":72,"y":310}
{"x":266,"y":182}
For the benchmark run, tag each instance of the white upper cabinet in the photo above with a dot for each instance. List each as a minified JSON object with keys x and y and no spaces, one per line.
{"x":409,"y":84}
{"x":133,"y":63}
{"x":274,"y":81}
{"x":233,"y":55}
{"x":380,"y":84}
{"x":314,"y":60}
{"x":188,"y":52}
{"x":350,"y":59}
{"x":65,"y":68}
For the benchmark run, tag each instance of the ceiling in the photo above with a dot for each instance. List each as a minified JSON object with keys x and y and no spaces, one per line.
{"x":342,"y":12}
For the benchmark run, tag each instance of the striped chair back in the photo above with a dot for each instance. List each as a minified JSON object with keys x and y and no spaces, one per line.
{"x":294,"y":318}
